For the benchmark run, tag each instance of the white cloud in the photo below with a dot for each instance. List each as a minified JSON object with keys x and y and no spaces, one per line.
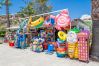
{"x":85,"y":17}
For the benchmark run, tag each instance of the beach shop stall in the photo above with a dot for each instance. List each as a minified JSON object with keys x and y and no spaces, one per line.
{"x":52,"y":32}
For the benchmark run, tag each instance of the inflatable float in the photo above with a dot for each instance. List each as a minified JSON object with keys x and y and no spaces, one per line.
{"x":49,"y":21}
{"x":62,"y":20}
{"x":62,"y":35}
{"x":38,"y":23}
{"x":72,"y":40}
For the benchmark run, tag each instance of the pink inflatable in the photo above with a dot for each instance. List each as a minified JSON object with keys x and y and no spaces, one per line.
{"x":49,"y":21}
{"x":62,"y":20}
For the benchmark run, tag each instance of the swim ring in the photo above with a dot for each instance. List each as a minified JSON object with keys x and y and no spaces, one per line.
{"x":60,"y":41}
{"x":62,"y":35}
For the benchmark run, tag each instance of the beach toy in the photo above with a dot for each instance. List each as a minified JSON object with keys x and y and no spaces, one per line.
{"x":45,"y":46}
{"x":62,"y":20}
{"x":11,"y":43}
{"x":43,"y":33}
{"x":60,"y":41}
{"x":62,"y":35}
{"x":38,"y":23}
{"x":49,"y":21}
{"x":37,"y":44}
{"x":76,"y":51}
{"x":50,"y":49}
{"x":71,"y":37}
{"x":83,"y":46}
{"x":61,"y":52}
{"x":76,"y":30}
{"x":71,"y":50}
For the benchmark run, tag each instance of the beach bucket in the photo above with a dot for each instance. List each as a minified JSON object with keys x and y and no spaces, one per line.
{"x":45,"y":46}
{"x":50,"y":47}
{"x":11,"y":44}
{"x":61,"y":52}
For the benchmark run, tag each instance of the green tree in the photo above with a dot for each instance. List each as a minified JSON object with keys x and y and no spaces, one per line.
{"x":27,"y":11}
{"x":41,"y":6}
{"x":34,"y":7}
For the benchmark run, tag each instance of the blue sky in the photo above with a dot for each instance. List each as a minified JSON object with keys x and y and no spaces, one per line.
{"x":76,"y":8}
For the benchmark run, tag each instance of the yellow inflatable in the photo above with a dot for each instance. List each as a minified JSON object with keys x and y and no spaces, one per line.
{"x":37,"y":22}
{"x":76,"y":51}
{"x":73,"y":50}
{"x":62,"y":35}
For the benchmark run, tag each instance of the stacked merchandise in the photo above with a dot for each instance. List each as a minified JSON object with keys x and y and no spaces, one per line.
{"x":61,"y":42}
{"x":36,"y":45}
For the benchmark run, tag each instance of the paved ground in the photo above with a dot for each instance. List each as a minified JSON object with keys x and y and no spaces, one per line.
{"x":17,"y":57}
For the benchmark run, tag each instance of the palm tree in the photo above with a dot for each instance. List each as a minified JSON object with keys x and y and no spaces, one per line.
{"x":27,"y":11}
{"x":34,"y":7}
{"x":6,"y":3}
{"x":95,"y":19}
{"x":41,"y":7}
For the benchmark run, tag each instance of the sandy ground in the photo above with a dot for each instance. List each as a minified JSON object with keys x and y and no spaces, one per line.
{"x":17,"y":57}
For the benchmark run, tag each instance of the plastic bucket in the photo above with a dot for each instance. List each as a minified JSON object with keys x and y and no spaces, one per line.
{"x":11,"y":44}
{"x":50,"y":47}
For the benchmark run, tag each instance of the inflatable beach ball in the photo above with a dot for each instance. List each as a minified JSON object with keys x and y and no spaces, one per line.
{"x":71,"y":37}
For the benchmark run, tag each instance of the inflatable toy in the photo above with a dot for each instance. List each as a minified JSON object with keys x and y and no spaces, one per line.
{"x":21,"y":40}
{"x":62,"y":35}
{"x":76,"y":51}
{"x":45,"y":46}
{"x":49,"y":21}
{"x":61,"y":52}
{"x":83,"y":46}
{"x":37,"y":44}
{"x":60,"y":41}
{"x":71,"y":37}
{"x":71,"y":50}
{"x":76,"y":30}
{"x":42,"y":33}
{"x":38,"y":23}
{"x":62,"y":20}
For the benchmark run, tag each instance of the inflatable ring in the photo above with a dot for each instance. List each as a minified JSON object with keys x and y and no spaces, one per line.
{"x":60,"y":41}
{"x":62,"y":35}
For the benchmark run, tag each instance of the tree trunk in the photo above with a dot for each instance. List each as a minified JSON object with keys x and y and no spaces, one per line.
{"x":95,"y":40}
{"x":7,"y":14}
